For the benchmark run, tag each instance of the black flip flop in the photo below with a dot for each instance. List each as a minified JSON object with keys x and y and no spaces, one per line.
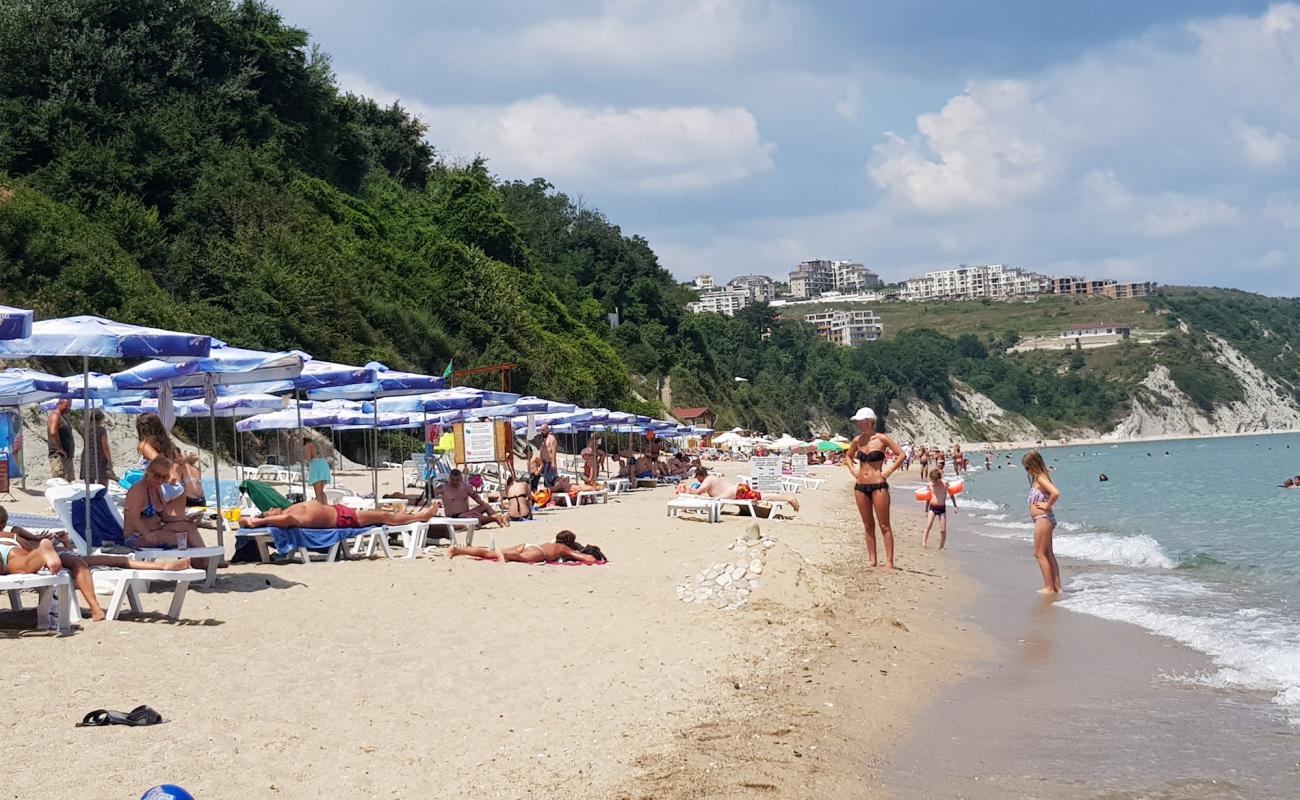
{"x":138,"y":717}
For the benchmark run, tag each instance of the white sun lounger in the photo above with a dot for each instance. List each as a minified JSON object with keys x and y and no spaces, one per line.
{"x":683,"y":503}
{"x":417,"y":540}
{"x":129,"y":582}
{"x":60,"y":500}
{"x":778,"y":507}
{"x":47,"y":587}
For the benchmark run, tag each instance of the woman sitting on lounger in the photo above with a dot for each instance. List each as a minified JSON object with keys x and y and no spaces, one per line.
{"x":312,"y":514}
{"x":564,"y":548}
{"x":150,"y":517}
{"x":37,"y":546}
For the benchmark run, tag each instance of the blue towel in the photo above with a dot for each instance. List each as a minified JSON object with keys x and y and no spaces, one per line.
{"x":289,"y":539}
{"x":103,"y":521}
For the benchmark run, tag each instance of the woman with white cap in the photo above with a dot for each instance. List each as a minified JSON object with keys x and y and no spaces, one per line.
{"x":866,"y":462}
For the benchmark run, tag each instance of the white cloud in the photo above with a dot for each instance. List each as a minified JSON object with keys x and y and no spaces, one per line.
{"x":1159,"y":214}
{"x":586,"y":149}
{"x":1157,"y":110}
{"x":630,"y":34}
{"x":614,"y":149}
{"x":1266,"y":149}
{"x":985,"y":148}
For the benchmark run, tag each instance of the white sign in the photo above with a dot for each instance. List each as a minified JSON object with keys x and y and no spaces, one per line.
{"x":765,"y":473}
{"x":798,"y":464}
{"x":480,"y":442}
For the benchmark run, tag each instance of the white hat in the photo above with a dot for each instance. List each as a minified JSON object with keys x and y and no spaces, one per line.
{"x":864,"y":413}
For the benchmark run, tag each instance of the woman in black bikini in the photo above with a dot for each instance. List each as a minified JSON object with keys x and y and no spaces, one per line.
{"x":866,"y":462}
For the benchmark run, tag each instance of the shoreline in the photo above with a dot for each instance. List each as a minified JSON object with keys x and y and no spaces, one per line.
{"x":1101,"y":441}
{"x":826,"y":718}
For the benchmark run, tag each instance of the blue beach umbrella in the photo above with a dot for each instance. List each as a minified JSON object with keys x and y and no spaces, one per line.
{"x":15,"y":323}
{"x":87,"y":337}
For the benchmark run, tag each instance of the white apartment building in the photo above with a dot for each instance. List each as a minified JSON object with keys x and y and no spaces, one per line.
{"x":846,"y":328}
{"x":993,"y":281}
{"x":812,"y":278}
{"x":725,"y":301}
{"x":761,"y":288}
{"x":705,"y":283}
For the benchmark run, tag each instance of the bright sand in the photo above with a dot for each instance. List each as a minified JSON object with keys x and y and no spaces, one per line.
{"x":431,"y":678}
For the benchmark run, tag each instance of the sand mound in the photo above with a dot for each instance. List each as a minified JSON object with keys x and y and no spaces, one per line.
{"x":760,"y":569}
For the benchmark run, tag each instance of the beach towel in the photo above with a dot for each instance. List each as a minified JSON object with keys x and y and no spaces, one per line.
{"x":107,"y":530}
{"x":289,"y":539}
{"x":263,"y":495}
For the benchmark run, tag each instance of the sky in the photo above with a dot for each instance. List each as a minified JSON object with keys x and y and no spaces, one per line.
{"x":1155,"y":140}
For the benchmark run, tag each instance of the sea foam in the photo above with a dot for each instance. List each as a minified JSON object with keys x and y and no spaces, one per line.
{"x":1251,"y":648}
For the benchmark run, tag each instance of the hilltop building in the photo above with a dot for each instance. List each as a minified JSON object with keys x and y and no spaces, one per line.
{"x":846,"y":328}
{"x":761,"y":288}
{"x":1096,"y":334}
{"x":705,"y":283}
{"x":993,"y":281}
{"x":813,"y":278}
{"x":722,"y":301}
{"x":1102,"y":288}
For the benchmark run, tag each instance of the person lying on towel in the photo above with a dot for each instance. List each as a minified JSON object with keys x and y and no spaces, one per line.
{"x":564,"y":548}
{"x":312,"y":514}
{"x":460,"y":500}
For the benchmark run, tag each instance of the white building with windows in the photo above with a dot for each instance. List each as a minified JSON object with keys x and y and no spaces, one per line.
{"x":993,"y":281}
{"x":705,"y":283}
{"x":725,"y":301}
{"x":761,"y":288}
{"x":813,"y":278}
{"x":847,"y":328}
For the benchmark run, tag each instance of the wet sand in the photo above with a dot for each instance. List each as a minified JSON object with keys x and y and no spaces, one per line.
{"x":1074,"y":706}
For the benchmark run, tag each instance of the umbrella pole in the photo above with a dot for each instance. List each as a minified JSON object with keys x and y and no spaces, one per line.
{"x":374,"y":472}
{"x":216,"y":473}
{"x":297,"y":405}
{"x":85,"y":442}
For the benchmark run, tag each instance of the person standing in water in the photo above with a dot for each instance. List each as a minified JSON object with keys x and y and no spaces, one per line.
{"x":865,"y":459}
{"x":938,"y":509}
{"x":1043,"y":495}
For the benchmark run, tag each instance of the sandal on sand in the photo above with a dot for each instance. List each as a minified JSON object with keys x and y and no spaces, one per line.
{"x":139,"y":716}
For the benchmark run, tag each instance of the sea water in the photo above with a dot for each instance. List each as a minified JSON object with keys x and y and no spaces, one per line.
{"x":1193,"y":540}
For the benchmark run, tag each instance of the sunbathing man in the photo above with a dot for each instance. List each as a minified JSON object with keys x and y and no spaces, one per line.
{"x":456,"y":495}
{"x":312,"y":514}
{"x":719,"y":487}
{"x":564,"y":548}
{"x":79,"y":566}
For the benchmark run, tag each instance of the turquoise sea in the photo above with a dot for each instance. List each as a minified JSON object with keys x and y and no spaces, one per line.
{"x":1191,"y":540}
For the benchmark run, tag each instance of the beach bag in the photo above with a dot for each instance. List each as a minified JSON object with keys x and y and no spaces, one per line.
{"x":519,"y":503}
{"x":541,"y":497}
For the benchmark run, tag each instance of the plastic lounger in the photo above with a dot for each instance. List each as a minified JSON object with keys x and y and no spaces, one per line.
{"x":304,"y":540}
{"x":452,"y":525}
{"x":214,"y":555}
{"x":709,"y":506}
{"x":778,"y":507}
{"x":129,"y":582}
{"x":47,"y":587}
{"x":617,"y":486}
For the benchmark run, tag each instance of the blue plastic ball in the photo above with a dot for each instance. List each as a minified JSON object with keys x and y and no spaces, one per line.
{"x":167,"y":792}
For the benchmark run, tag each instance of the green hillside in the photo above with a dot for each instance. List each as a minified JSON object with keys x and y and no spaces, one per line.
{"x":192,"y":164}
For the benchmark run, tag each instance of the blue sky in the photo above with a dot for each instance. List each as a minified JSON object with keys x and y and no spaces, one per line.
{"x":1151,"y":140}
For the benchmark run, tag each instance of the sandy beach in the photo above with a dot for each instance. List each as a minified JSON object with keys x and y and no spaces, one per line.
{"x":438,"y":678}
